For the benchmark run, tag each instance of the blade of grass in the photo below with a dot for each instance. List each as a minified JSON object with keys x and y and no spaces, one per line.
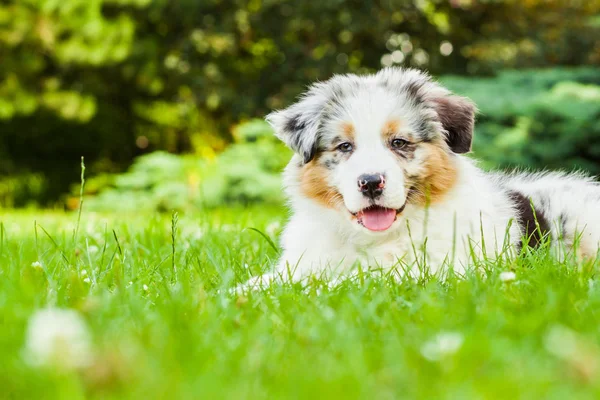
{"x":55,"y":244}
{"x":80,"y":202}
{"x":266,"y":237}
{"x":118,"y":244}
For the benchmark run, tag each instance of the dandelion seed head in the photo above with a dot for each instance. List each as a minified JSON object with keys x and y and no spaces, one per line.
{"x":58,"y":338}
{"x":442,"y":345}
{"x":507,"y":276}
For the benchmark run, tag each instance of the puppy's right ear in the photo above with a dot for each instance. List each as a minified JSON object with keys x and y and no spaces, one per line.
{"x":298,"y":125}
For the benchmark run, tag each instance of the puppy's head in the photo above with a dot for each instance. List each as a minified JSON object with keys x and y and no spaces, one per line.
{"x":370,"y":145}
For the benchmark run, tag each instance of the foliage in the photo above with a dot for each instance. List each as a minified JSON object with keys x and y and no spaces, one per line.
{"x":21,"y":190}
{"x":528,"y":119}
{"x":163,"y":329}
{"x":537,"y":119}
{"x":248,"y":171}
{"x":157,"y":181}
{"x":112,"y":79}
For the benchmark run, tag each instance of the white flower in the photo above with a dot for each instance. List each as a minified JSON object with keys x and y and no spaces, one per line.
{"x":443,"y":344}
{"x":87,"y":280}
{"x":93,"y":249}
{"x":83,"y":272}
{"x":129,"y":284}
{"x":58,"y":338}
{"x":272,"y":228}
{"x":561,"y":342}
{"x":145,"y":288}
{"x":36,"y":264}
{"x":507,"y":276}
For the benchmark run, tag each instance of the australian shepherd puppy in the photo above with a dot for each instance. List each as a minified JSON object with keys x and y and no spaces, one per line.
{"x":379,"y":179}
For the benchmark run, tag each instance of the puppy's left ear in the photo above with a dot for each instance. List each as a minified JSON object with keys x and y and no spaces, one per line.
{"x":298,"y":125}
{"x":457,"y":116}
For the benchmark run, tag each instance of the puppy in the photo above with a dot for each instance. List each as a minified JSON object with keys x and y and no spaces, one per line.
{"x":380,"y":179}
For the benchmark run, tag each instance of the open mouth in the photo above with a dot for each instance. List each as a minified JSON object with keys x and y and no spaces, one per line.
{"x":376,"y":218}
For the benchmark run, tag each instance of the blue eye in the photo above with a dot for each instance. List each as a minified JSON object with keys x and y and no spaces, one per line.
{"x":345,"y":147}
{"x":398,"y":143}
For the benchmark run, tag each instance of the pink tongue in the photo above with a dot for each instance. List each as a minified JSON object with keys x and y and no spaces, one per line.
{"x":378,"y":218}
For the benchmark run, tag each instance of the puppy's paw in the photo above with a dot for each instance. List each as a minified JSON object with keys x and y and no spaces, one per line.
{"x":254,"y":284}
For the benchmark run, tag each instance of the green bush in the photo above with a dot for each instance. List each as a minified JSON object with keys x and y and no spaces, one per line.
{"x":20,"y":190}
{"x":536,"y":119}
{"x":156,"y":181}
{"x":533,"y":119}
{"x":248,"y":171}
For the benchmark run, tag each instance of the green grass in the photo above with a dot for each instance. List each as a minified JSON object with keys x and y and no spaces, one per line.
{"x":161,"y":328}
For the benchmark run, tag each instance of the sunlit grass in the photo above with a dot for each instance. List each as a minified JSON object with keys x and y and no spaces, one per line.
{"x":161,"y":325}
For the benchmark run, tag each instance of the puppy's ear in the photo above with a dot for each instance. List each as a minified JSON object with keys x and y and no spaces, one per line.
{"x":457,"y":116}
{"x":298,"y":125}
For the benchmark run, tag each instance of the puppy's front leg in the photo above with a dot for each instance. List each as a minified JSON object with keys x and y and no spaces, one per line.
{"x":309,"y":248}
{"x":285,"y":272}
{"x":298,"y":268}
{"x":256,"y":283}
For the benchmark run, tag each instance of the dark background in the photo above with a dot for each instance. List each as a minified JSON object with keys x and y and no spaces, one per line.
{"x":113,"y":80}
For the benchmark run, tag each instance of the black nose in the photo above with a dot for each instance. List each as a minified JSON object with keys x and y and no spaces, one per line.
{"x":371,"y":185}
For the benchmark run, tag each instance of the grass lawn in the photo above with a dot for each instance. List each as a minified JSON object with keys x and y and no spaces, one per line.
{"x":155,"y":324}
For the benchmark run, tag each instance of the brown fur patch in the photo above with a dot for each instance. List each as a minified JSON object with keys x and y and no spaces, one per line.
{"x":313,"y":183}
{"x":439,"y":176}
{"x":390,"y":129}
{"x":348,"y":130}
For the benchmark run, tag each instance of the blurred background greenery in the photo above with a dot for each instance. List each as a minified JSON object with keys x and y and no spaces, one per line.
{"x":163,"y":98}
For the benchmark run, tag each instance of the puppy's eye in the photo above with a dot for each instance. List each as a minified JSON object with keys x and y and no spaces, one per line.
{"x":345,"y":147}
{"x":398,"y":143}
